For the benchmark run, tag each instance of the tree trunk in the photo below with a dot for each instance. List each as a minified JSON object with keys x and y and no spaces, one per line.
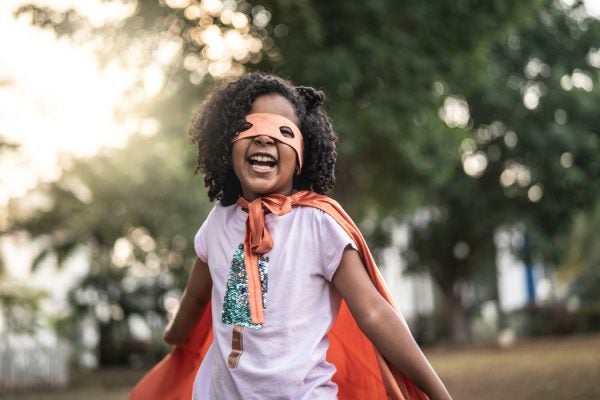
{"x":456,"y":317}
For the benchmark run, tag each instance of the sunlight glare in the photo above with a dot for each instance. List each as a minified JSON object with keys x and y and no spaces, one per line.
{"x":213,"y":7}
{"x":566,"y":159}
{"x":592,"y":7}
{"x":55,"y":99}
{"x":535,"y":193}
{"x":474,"y":164}
{"x":239,"y":20}
{"x":593,"y":57}
{"x":515,"y":173}
{"x":455,"y":112}
{"x":97,"y":12}
{"x":582,"y":80}
{"x":531,"y":96}
{"x":178,"y":3}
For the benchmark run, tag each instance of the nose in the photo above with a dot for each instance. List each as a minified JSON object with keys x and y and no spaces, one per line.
{"x":264,"y":140}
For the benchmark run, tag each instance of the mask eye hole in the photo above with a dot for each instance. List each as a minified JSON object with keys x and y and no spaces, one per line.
{"x":286,"y":132}
{"x":245,"y":126}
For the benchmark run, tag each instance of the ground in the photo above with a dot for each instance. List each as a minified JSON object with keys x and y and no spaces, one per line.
{"x":550,"y":369}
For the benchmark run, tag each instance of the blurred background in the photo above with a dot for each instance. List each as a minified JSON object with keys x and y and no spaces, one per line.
{"x":468,"y":154}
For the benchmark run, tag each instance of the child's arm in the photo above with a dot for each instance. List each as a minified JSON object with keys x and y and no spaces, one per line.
{"x":380,"y":323}
{"x":195,"y":297}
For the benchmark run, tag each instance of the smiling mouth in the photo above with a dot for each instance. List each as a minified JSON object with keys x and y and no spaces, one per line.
{"x":262,"y":162}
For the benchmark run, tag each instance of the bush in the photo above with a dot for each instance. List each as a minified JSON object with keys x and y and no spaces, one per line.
{"x":546,"y":320}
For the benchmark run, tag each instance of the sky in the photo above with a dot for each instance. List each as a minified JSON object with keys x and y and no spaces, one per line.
{"x":54,"y":98}
{"x":55,"y":102}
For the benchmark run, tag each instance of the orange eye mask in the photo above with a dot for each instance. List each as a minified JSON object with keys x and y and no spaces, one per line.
{"x":276,"y":127}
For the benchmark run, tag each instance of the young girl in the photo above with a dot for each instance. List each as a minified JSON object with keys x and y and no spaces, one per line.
{"x":284,"y":300}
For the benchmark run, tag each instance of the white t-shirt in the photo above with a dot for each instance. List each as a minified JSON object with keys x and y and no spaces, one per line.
{"x":285,"y":357}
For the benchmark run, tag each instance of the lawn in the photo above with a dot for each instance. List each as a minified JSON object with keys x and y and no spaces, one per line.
{"x":550,"y":369}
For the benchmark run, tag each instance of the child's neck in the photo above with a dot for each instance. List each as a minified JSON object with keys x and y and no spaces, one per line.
{"x":255,"y":196}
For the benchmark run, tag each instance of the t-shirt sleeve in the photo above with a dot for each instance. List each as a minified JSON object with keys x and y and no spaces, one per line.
{"x":200,"y":240}
{"x":334,"y":240}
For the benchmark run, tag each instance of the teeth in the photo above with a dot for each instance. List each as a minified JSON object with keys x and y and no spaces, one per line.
{"x":261,"y":158}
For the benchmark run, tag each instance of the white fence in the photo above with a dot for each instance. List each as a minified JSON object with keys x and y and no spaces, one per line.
{"x":33,"y":367}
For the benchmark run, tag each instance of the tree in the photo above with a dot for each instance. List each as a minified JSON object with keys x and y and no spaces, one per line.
{"x":135,"y":210}
{"x":582,"y":266}
{"x":389,"y":68}
{"x":20,"y":308}
{"x":531,"y":154}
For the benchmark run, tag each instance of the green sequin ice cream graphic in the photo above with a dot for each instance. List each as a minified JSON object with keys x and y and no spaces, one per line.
{"x":236,"y":310}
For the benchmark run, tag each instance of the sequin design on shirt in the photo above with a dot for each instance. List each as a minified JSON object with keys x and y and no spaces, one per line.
{"x":236,"y":310}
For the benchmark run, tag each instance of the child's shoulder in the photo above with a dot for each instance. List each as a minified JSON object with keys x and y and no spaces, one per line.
{"x":324,"y":206}
{"x":325,"y":215}
{"x":221,"y":213}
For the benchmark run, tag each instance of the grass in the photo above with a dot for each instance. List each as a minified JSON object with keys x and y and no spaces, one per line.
{"x":550,"y":369}
{"x":103,"y":384}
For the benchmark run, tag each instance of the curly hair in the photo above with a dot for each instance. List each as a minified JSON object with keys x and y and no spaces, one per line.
{"x":222,"y":113}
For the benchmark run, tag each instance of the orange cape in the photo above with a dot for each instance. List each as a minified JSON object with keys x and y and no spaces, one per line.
{"x":361,"y":371}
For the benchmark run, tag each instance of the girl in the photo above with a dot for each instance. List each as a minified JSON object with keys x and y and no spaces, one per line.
{"x":284,"y":300}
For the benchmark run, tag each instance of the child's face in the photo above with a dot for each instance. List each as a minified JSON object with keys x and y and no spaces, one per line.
{"x":262,"y":164}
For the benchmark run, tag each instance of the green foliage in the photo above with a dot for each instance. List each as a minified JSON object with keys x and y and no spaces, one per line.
{"x":549,"y":147}
{"x":387,"y":67}
{"x":144,"y":199}
{"x":582,"y":266}
{"x":99,"y":199}
{"x":379,"y":63}
{"x":6,"y":145}
{"x":556,"y":140}
{"x":20,"y":307}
